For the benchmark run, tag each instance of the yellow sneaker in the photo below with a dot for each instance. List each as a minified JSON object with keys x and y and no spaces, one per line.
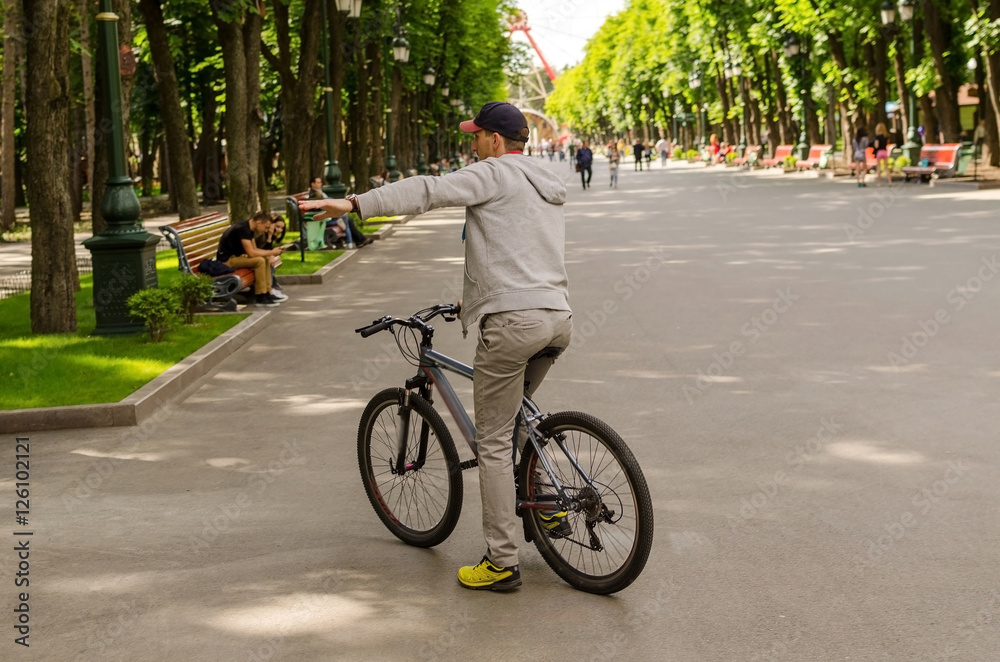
{"x":489,"y":577}
{"x":555,"y":524}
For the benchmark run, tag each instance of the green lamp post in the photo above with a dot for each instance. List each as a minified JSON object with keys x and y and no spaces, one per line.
{"x":913,"y":144}
{"x":333,"y":187}
{"x":793,"y":49}
{"x":123,"y":254}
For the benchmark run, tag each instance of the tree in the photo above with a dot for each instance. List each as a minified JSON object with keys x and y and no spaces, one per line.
{"x":239,"y":28}
{"x":182,"y":184}
{"x":8,"y":101}
{"x":298,"y":87}
{"x":47,"y":96}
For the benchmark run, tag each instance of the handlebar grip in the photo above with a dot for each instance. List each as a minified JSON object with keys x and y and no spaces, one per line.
{"x":374,"y":328}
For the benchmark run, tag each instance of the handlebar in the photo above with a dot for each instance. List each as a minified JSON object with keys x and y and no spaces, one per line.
{"x":417,"y":320}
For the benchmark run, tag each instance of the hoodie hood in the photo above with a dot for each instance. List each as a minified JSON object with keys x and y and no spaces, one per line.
{"x":547,"y":183}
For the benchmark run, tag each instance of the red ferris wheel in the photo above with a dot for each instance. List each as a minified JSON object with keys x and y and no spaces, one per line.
{"x":518,"y":22}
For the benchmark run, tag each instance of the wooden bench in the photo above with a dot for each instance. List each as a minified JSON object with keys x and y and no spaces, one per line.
{"x":750,"y":156}
{"x":816,"y":157}
{"x":780,"y":152}
{"x":942,"y":161}
{"x":196,"y":239}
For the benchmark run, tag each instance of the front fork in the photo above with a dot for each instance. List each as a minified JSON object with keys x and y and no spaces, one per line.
{"x":403,"y":433}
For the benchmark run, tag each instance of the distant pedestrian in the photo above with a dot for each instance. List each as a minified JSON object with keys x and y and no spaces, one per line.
{"x":860,"y":146}
{"x":614,"y":160}
{"x":637,"y":149}
{"x":584,"y":161}
{"x":881,"y":148}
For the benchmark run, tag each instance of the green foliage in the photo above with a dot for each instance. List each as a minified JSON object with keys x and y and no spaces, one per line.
{"x":692,"y":154}
{"x":730,"y":157}
{"x":678,"y":153}
{"x":156,"y":307}
{"x":899,"y":163}
{"x":191,"y":292}
{"x":790,"y":161}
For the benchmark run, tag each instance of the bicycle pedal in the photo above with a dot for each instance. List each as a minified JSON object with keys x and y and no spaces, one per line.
{"x":468,"y":464}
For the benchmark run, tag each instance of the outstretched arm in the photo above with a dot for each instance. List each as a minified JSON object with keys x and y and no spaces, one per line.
{"x":332,"y":207}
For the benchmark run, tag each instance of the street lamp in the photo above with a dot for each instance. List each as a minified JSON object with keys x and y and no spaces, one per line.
{"x":429,"y":77}
{"x":888,"y":11}
{"x":913,"y":142}
{"x":793,"y":50}
{"x":694,"y":80}
{"x":400,"y":54}
{"x":331,"y":171}
{"x":351,"y":7}
{"x":124,"y":254}
{"x":741,"y":148}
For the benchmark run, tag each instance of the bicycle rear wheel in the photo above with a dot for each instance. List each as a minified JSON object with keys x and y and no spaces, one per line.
{"x":609,"y":537}
{"x":422,"y":504}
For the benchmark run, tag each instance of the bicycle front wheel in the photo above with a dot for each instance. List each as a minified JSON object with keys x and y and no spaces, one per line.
{"x":419,"y":502}
{"x":607,"y":541}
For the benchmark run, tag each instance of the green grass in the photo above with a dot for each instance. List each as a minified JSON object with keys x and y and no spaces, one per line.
{"x":77,"y":368}
{"x":291,"y":261}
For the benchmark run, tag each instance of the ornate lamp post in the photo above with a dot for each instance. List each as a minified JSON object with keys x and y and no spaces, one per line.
{"x":694,"y":80}
{"x":793,"y":50}
{"x":124,"y":254}
{"x":741,"y":148}
{"x":429,"y":78}
{"x":333,"y":187}
{"x":400,"y":54}
{"x":913,"y":142}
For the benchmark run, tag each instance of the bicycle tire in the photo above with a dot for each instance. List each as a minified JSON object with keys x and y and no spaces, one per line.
{"x":420,"y":507}
{"x":626,"y":540}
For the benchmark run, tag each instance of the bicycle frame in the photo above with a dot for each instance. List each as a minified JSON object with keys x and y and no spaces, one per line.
{"x":433,"y":365}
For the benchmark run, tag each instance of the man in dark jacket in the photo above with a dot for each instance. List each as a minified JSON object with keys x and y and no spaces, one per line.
{"x":585,"y":159}
{"x":638,"y":149}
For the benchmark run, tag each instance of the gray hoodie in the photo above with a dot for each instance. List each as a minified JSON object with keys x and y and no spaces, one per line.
{"x":515,"y":232}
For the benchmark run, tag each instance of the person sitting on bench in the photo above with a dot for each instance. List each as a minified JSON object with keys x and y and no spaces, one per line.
{"x":316,"y":192}
{"x":238,"y":250}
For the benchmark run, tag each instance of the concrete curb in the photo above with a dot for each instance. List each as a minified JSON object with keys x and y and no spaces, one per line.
{"x":139,"y":406}
{"x":317,"y":278}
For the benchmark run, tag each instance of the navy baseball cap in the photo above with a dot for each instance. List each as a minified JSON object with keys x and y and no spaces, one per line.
{"x":499,"y":117}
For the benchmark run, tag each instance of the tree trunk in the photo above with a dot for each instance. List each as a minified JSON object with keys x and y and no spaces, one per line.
{"x":87,"y":74}
{"x":46,"y":100}
{"x":784,"y":112}
{"x":8,"y":149}
{"x":182,"y":184}
{"x":240,"y":40}
{"x":878,"y":70}
{"x":991,"y":60}
{"x":123,"y":9}
{"x":940,"y":38}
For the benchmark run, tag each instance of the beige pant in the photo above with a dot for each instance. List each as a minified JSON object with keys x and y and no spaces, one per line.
{"x":261,"y":271}
{"x":506,"y":341}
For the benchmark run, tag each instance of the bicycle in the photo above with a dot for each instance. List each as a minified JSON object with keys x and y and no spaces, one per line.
{"x":570,"y":462}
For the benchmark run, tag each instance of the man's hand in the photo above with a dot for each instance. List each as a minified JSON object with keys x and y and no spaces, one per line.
{"x":331,"y":208}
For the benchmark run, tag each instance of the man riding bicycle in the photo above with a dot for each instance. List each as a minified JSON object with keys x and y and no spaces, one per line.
{"x":515,"y":286}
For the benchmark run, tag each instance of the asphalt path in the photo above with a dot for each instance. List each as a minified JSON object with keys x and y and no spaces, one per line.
{"x":807,"y":372}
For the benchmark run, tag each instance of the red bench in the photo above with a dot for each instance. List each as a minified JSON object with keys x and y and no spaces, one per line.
{"x":942,"y":161}
{"x":816,"y":153}
{"x":196,"y":239}
{"x":750,"y":156}
{"x":780,"y":152}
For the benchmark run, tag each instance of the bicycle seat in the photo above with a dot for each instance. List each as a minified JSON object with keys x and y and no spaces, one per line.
{"x":547,"y":353}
